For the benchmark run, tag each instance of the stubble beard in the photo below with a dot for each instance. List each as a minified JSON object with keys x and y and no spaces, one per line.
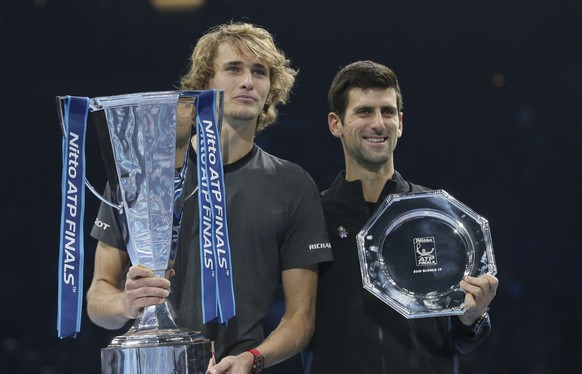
{"x":369,"y":158}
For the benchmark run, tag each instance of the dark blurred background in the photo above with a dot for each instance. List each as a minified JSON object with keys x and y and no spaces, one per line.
{"x":492,"y":93}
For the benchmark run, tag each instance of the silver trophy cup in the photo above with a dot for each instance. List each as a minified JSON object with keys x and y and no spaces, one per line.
{"x":138,"y":136}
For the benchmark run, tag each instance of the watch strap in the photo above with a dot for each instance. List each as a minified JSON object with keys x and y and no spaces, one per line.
{"x":476,"y":327}
{"x":258,"y":361}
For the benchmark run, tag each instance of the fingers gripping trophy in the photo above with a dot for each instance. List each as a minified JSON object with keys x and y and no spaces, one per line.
{"x":138,"y":136}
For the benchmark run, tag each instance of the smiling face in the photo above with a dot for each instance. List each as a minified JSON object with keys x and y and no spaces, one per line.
{"x":246,"y":84}
{"x":369,"y":129}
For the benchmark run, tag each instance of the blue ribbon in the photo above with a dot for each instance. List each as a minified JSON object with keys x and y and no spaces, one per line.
{"x":74,"y":120}
{"x":217,"y":286}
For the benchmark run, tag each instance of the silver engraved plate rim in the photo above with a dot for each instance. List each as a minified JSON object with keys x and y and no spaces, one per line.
{"x":469,"y":228}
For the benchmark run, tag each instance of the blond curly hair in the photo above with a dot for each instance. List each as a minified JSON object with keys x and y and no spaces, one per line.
{"x":247,"y":39}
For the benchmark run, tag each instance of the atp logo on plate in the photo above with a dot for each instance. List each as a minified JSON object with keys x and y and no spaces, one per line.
{"x":425,"y":251}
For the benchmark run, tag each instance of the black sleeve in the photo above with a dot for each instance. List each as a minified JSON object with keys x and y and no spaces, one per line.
{"x":106,"y":227}
{"x":306,"y":239}
{"x":466,"y":339}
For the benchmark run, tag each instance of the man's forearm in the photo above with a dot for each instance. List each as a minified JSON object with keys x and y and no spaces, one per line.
{"x":289,"y":338}
{"x":105,"y":306}
{"x":298,"y":323}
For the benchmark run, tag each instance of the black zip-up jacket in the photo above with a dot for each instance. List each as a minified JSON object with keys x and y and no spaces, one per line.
{"x":355,"y":332}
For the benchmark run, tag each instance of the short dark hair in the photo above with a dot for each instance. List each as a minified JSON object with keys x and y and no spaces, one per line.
{"x":364,"y":75}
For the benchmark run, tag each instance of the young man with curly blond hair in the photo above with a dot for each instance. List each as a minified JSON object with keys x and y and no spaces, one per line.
{"x":275,"y":220}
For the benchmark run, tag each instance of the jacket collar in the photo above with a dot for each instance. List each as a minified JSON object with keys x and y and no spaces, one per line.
{"x":342,"y":190}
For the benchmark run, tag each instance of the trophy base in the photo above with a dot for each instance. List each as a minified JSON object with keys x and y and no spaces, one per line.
{"x":137,"y":337}
{"x":177,"y":358}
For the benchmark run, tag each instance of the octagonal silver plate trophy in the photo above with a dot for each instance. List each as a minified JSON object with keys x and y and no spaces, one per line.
{"x":416,"y":249}
{"x":137,"y":134}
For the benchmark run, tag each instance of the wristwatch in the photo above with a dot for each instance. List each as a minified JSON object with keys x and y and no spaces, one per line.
{"x":476,"y":327}
{"x":258,"y":361}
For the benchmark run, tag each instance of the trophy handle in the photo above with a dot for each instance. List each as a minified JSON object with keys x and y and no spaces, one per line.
{"x":60,"y":108}
{"x":100,"y":197}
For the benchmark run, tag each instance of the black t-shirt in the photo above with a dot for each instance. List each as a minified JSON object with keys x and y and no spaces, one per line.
{"x":275,"y":222}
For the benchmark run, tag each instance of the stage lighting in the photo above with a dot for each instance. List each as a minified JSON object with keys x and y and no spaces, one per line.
{"x":177,"y":5}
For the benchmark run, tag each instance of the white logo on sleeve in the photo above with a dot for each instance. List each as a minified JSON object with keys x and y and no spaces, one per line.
{"x":316,"y":246}
{"x":101,"y":224}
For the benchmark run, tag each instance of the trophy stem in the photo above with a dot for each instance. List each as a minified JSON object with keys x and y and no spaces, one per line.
{"x":154,"y":326}
{"x":155,"y":317}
